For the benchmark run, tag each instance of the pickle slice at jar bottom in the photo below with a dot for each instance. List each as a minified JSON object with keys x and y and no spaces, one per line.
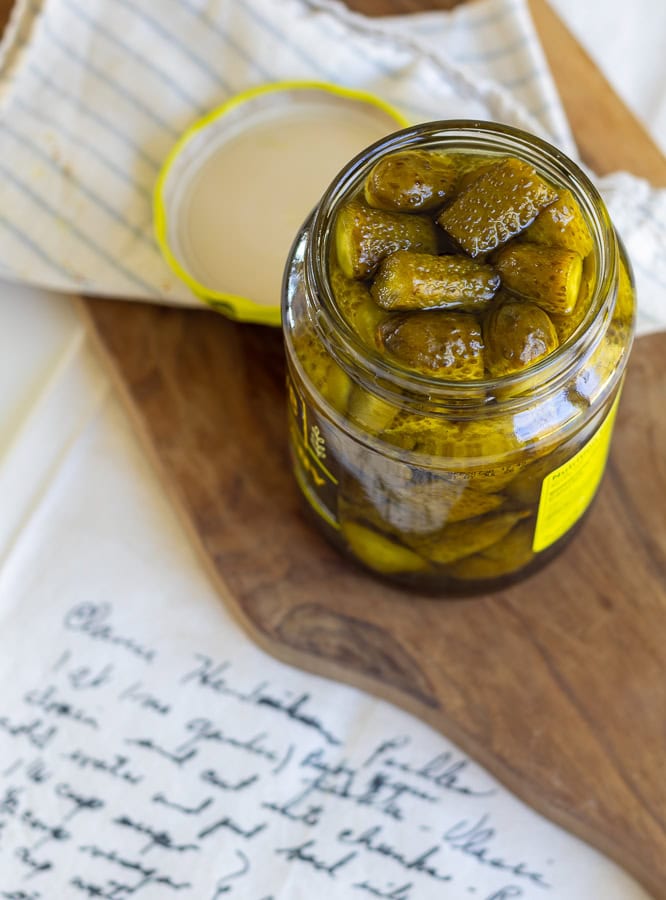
{"x":379,"y":552}
{"x":364,"y":236}
{"x":463,"y":539}
{"x":549,"y":276}
{"x":420,"y":505}
{"x":410,"y":181}
{"x":502,"y":558}
{"x":496,"y":206}
{"x":408,"y":280}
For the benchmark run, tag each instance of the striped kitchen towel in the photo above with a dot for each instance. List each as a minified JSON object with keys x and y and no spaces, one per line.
{"x":93,"y":94}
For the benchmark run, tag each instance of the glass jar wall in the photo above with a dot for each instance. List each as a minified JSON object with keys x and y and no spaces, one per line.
{"x":447,"y":485}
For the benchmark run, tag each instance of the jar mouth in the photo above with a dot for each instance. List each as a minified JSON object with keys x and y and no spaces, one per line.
{"x":462,"y":135}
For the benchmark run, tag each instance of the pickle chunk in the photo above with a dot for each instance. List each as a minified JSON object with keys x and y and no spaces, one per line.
{"x":355,"y":303}
{"x":446,"y":344}
{"x":496,"y":206}
{"x":328,"y":378}
{"x":502,"y":558}
{"x":364,"y":236}
{"x":550,"y":276}
{"x":561,"y":225}
{"x":410,"y":181}
{"x":379,"y":552}
{"x":517,"y":334}
{"x":462,"y":539}
{"x":409,"y":280}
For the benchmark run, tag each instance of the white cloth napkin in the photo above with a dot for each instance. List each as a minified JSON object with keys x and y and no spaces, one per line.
{"x":93,"y":94}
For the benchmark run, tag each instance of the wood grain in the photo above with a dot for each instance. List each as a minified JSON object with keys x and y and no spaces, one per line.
{"x":557,"y":685}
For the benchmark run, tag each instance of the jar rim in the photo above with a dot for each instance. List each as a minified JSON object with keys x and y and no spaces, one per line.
{"x":460,"y":135}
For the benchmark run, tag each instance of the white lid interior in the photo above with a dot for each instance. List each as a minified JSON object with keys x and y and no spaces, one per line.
{"x":243,"y":185}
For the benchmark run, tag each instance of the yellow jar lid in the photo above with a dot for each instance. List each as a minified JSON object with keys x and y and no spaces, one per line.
{"x":241,"y":181}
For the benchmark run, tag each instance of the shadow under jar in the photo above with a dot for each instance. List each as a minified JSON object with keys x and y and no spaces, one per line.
{"x":451,"y":486}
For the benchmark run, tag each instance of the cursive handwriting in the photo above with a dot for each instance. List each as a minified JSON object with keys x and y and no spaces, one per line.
{"x":390,"y":892}
{"x":371,"y":841}
{"x":227,"y":785}
{"x":157,"y":837}
{"x":116,"y":767}
{"x":149,"y":874}
{"x":210,"y":776}
{"x":90,"y":619}
{"x":79,"y":802}
{"x":178,"y":759}
{"x":48,"y":701}
{"x":36,"y":867}
{"x":35,"y":731}
{"x":186,"y":810}
{"x":378,"y":790}
{"x":214,"y":676}
{"x":226,"y":822}
{"x":443,"y":770}
{"x":304,"y":853}
{"x":474,"y":840}
{"x":135,"y":694}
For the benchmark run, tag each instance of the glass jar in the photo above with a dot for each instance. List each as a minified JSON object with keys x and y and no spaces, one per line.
{"x":450,"y":486}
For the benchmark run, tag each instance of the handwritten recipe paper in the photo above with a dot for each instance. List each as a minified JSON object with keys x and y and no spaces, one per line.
{"x":149,"y":750}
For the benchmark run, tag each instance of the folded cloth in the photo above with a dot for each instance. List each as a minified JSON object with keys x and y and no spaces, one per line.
{"x":94,"y":94}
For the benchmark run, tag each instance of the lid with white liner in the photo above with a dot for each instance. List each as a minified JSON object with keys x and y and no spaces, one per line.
{"x":240,"y":182}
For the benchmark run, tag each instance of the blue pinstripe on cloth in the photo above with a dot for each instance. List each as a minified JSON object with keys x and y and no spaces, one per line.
{"x":93,"y":95}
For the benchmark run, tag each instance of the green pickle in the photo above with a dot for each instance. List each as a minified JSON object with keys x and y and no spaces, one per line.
{"x":410,"y":181}
{"x":496,"y":206}
{"x":445,"y":344}
{"x":409,"y":280}
{"x":517,"y":335}
{"x":364,"y":236}
{"x":549,"y":276}
{"x":561,"y":224}
{"x":453,"y":496}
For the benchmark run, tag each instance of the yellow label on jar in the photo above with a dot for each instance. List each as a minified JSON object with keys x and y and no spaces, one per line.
{"x":568,"y":491}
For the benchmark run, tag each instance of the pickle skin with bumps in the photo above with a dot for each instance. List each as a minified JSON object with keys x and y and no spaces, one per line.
{"x":410,"y":181}
{"x":548,"y":276}
{"x":445,"y":344}
{"x":517,"y":334}
{"x":409,"y":280}
{"x":364,"y":236}
{"x":500,"y":203}
{"x":355,"y":303}
{"x":561,"y":224}
{"x":324,"y":373}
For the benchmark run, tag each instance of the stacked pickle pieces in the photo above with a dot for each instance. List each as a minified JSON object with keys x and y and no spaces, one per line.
{"x":460,"y":267}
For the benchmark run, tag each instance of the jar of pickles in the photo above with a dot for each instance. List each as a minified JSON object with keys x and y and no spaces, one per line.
{"x":457,"y":313}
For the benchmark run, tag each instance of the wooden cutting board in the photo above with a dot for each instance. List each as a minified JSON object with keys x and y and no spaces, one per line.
{"x":557,"y":686}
